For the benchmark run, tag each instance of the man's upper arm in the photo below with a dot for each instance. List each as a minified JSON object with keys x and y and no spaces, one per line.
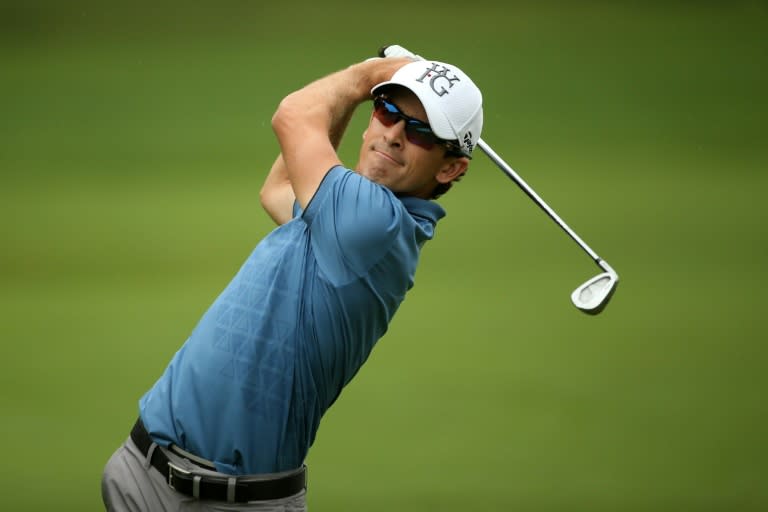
{"x":307,"y":151}
{"x":277,"y":200}
{"x":276,"y":193}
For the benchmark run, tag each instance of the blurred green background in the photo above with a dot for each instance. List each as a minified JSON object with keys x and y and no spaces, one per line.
{"x":133,"y":141}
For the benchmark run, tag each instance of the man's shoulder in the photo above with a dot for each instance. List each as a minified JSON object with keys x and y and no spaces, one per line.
{"x":345,"y":193}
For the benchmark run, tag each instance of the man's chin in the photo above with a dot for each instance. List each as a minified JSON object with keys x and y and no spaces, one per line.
{"x":376,"y":175}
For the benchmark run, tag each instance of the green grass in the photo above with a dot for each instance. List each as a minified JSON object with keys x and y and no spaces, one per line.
{"x":133,"y":141}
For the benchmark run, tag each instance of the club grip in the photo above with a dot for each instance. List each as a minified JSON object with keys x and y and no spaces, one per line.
{"x":394,"y":50}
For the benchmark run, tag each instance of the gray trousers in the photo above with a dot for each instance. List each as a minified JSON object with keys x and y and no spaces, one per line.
{"x":130,"y":484}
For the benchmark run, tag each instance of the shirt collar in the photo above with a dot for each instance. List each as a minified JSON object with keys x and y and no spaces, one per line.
{"x":423,"y":208}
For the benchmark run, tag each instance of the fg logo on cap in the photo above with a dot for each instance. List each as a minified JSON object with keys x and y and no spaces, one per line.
{"x":437,"y":74}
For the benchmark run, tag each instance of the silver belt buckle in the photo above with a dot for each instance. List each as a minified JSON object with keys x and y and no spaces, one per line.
{"x":173,"y":467}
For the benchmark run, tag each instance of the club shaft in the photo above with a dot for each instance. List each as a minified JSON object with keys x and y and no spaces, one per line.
{"x":539,"y":201}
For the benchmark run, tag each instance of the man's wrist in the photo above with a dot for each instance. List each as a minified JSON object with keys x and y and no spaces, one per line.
{"x":371,"y":72}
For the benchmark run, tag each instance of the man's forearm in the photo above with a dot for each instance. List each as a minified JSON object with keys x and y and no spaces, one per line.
{"x":310,"y":122}
{"x":332,"y":100}
{"x":276,"y":194}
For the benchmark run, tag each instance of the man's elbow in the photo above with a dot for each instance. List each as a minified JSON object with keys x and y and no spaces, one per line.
{"x":264,"y":196}
{"x":287,"y":115}
{"x":277,"y":203}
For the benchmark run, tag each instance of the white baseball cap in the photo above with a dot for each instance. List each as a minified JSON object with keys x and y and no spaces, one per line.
{"x":453,"y":103}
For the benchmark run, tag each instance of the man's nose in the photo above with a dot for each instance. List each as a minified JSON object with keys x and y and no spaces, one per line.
{"x":395,"y":133}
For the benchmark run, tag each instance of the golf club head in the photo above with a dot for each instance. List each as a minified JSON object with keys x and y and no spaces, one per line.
{"x":592,"y":296}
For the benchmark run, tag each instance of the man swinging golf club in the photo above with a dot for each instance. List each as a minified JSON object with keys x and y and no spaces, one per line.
{"x":232,"y":418}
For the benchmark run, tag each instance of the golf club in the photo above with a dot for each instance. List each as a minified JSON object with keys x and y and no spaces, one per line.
{"x":592,"y":296}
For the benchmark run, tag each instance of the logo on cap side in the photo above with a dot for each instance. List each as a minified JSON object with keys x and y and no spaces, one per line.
{"x":436,"y":73}
{"x":468,"y":141}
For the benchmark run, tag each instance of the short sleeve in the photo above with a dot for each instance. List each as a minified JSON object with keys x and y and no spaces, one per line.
{"x":353,"y":223}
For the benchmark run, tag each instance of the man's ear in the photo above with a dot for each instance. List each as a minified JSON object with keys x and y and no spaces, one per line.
{"x":453,"y":169}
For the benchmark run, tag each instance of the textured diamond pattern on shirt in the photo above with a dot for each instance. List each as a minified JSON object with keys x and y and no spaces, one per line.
{"x":248,"y":388}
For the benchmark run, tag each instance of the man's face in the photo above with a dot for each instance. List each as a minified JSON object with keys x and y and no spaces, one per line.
{"x":387,"y":157}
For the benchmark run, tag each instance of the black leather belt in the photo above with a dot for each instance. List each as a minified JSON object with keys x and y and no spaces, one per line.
{"x":220,"y":488}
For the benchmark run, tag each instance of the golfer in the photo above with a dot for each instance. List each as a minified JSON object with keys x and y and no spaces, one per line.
{"x":229,"y":423}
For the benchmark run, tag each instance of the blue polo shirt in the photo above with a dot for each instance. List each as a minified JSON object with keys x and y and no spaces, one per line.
{"x":272,"y":353}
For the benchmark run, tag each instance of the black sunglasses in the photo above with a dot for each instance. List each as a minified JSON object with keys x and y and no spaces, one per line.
{"x":416,"y":131}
